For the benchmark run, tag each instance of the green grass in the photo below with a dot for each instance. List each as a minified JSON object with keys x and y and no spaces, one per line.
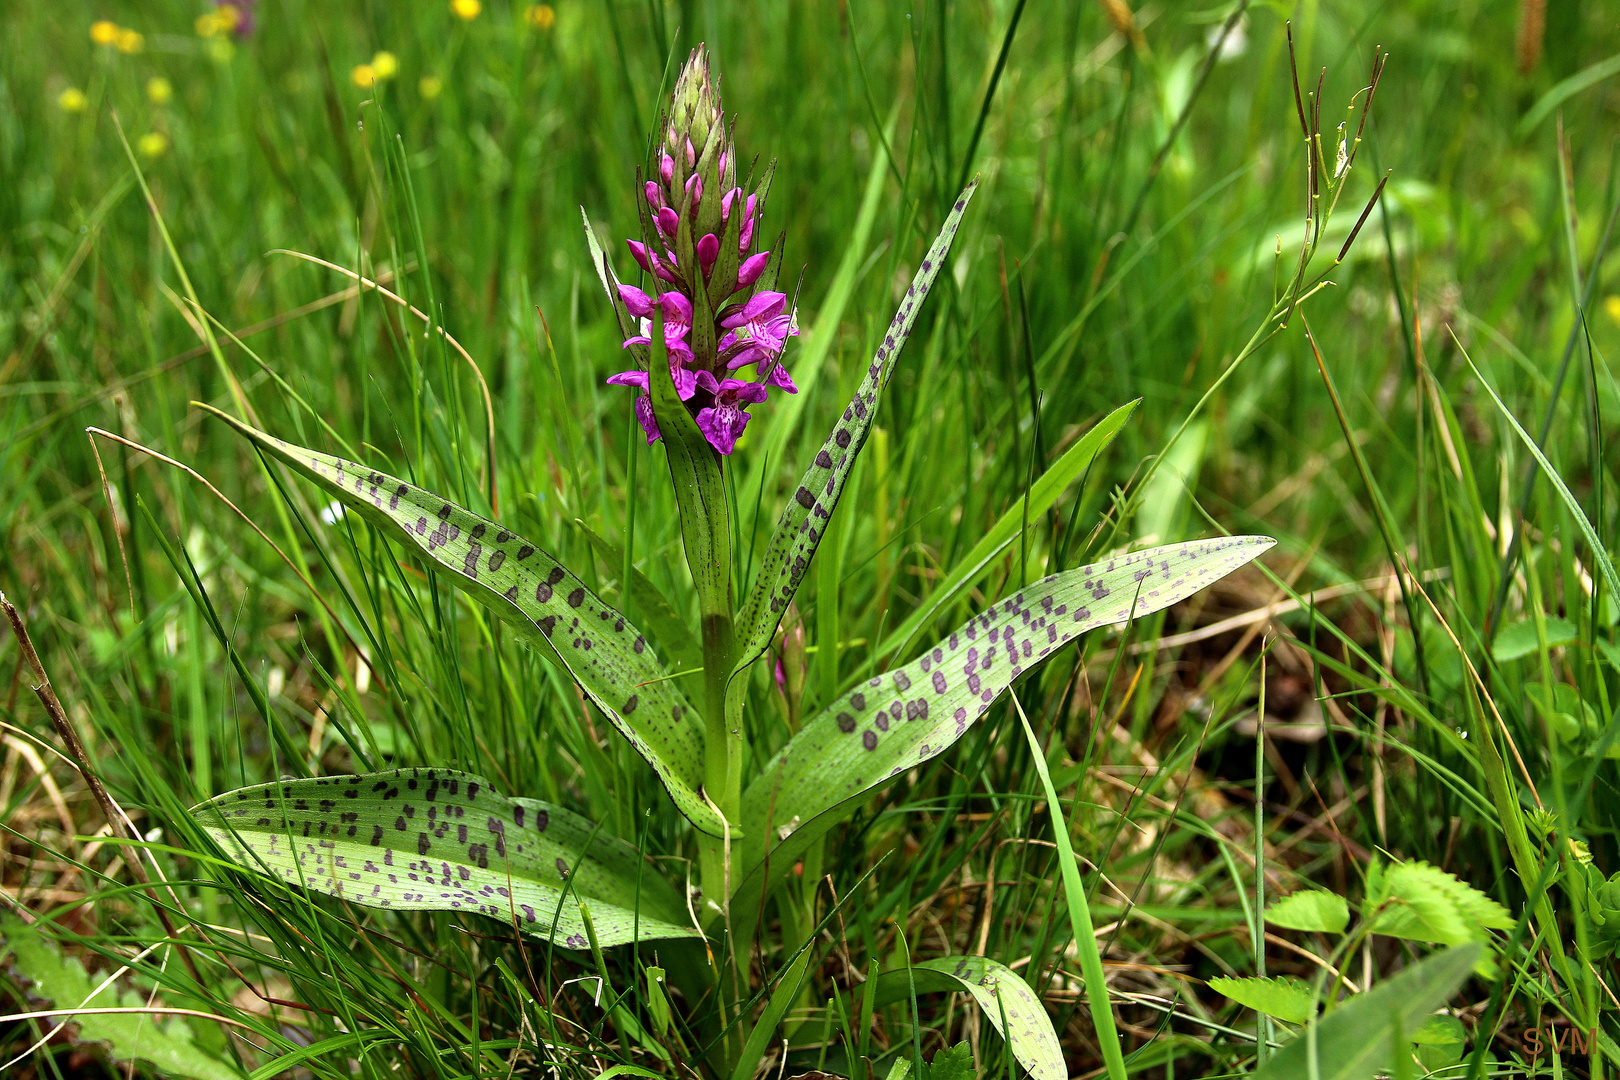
{"x":1111,"y":254}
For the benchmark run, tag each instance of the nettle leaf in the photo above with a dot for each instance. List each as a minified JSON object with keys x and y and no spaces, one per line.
{"x":1285,"y":999}
{"x":999,"y":992}
{"x":1420,"y":902}
{"x":1310,"y":909}
{"x":443,"y":840}
{"x":906,"y":716}
{"x":804,"y":519}
{"x":570,"y":625}
{"x":163,"y":1042}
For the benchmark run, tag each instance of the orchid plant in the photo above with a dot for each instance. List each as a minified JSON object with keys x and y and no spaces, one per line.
{"x":706,"y":337}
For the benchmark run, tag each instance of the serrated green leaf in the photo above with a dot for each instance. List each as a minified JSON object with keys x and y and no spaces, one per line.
{"x":1420,"y":902}
{"x":1042,"y":494}
{"x":164,"y":1042}
{"x":443,"y":840}
{"x":804,"y":519}
{"x":912,"y":714}
{"x":1355,"y":1040}
{"x":1312,"y":910}
{"x":553,"y":610}
{"x":951,"y":1063}
{"x":1285,"y":999}
{"x":1519,"y":639}
{"x":997,"y":990}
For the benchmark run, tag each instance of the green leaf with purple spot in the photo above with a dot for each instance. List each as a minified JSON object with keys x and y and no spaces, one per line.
{"x":554,"y":611}
{"x":804,"y":519}
{"x":909,"y":715}
{"x":442,"y":840}
{"x":998,"y":991}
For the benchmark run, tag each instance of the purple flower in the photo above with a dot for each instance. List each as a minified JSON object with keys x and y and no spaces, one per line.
{"x":691,"y":189}
{"x":723,"y":422}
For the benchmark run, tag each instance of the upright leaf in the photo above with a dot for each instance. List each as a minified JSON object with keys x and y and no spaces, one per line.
{"x":997,"y":990}
{"x":525,"y":586}
{"x":903,"y":718}
{"x":1355,"y":1041}
{"x":804,"y":519}
{"x":442,"y":840}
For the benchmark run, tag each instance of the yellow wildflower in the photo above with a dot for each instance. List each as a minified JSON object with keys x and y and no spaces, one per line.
{"x":208,"y":24}
{"x":130,"y":41}
{"x":540,"y":16}
{"x":152,"y":144}
{"x":430,"y":87}
{"x":159,"y":91}
{"x":103,"y":32}
{"x":466,"y":9}
{"x":385,"y":65}
{"x":221,"y":49}
{"x":1611,"y":304}
{"x":364,"y":75}
{"x":74,"y":100}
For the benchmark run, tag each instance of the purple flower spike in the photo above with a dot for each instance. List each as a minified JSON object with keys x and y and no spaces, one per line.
{"x":750,"y":331}
{"x":752,"y":267}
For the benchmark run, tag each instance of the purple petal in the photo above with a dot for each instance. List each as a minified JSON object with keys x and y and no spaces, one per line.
{"x":638,"y":252}
{"x":639,"y":303}
{"x":666,"y":169}
{"x":752,"y":267}
{"x":629,"y":378}
{"x":655,"y":197}
{"x":707,"y":381}
{"x":694,"y":190}
{"x":649,"y":422}
{"x":746,"y":237}
{"x":668,"y":222}
{"x":691,"y":154}
{"x":721,"y":426}
{"x":708,"y":250}
{"x":726,"y":201}
{"x":778,"y":377}
{"x":760,"y":306}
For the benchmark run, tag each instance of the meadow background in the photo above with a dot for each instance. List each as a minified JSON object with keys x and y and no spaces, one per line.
{"x":1137,"y":184}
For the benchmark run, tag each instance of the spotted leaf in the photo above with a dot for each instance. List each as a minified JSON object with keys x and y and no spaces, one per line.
{"x":804,"y":519}
{"x":906,"y":716}
{"x":997,"y":990}
{"x":555,"y":612}
{"x":441,"y":840}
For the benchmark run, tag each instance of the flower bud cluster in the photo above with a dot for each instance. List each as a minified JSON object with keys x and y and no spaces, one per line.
{"x":714,"y":291}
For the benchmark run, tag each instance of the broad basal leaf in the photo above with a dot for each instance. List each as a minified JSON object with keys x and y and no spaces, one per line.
{"x":804,"y":519}
{"x":1311,"y":909}
{"x":997,"y":990}
{"x":1356,"y":1040}
{"x":1285,"y":999}
{"x":904,"y":717}
{"x":551,"y":607}
{"x":442,"y":840}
